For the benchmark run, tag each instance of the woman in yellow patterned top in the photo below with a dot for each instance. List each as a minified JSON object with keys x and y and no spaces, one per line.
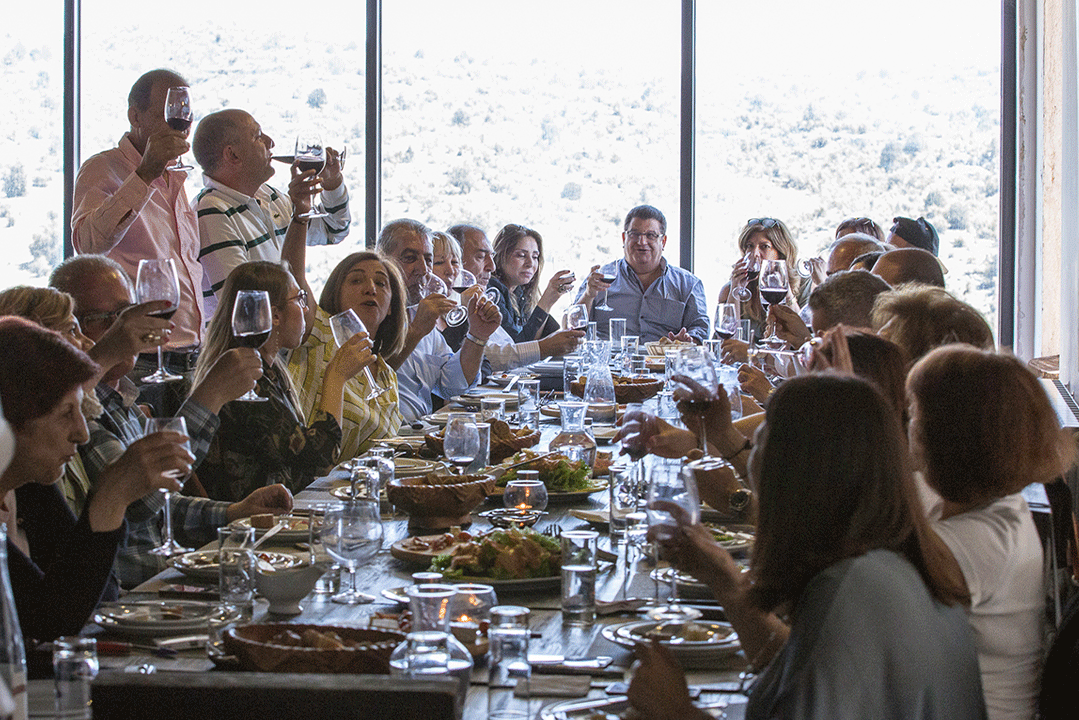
{"x":373,"y":289}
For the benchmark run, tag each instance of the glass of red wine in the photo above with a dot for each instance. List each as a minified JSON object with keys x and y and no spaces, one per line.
{"x":252,"y":320}
{"x":726,"y":321}
{"x":178,"y":116}
{"x":156,"y":280}
{"x":311,"y":155}
{"x":608,"y":277}
{"x":693,"y":370}
{"x":753,"y":271}
{"x":773,"y":286}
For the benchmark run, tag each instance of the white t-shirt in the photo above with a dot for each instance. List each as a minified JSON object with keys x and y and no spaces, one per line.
{"x":998,"y":550}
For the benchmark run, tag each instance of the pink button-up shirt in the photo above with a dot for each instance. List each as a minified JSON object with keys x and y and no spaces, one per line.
{"x":119,"y":215}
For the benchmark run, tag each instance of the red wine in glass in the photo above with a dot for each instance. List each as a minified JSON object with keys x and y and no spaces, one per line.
{"x":178,"y":116}
{"x":609,"y":278}
{"x":164,"y":314}
{"x":752,"y":275}
{"x":305,"y":165}
{"x":251,"y":340}
{"x":181,"y":124}
{"x":460,"y":288}
{"x":723,"y":335}
{"x":773,"y":296}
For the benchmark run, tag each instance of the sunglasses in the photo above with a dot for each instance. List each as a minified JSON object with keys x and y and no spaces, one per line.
{"x":766,"y":223}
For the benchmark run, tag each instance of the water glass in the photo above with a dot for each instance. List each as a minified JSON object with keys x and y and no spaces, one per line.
{"x":236,"y":568}
{"x":528,"y":419}
{"x":628,"y":350}
{"x":483,"y":457}
{"x":745,"y":330}
{"x":668,"y":408}
{"x":638,"y":366}
{"x":579,"y":576}
{"x":571,"y":370}
{"x":590,"y":332}
{"x":75,"y":665}
{"x":670,"y":357}
{"x":616,"y":329}
{"x":528,"y":395}
{"x":623,"y":498}
{"x":382,"y":459}
{"x":508,"y":681}
{"x":215,"y":630}
{"x":728,"y":377}
{"x":492,"y":408}
{"x":330,"y":582}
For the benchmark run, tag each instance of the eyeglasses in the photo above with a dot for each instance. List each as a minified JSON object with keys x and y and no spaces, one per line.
{"x":766,"y":223}
{"x":635,"y":235}
{"x":301,"y":297}
{"x":109,"y":315}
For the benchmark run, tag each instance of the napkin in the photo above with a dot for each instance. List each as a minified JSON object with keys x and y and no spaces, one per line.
{"x":570,"y":686}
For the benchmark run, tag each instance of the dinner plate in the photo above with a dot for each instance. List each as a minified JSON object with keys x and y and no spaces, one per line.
{"x":342,"y":490}
{"x":295,"y":530}
{"x":471,"y":400}
{"x":735,"y":539}
{"x":721,"y":642}
{"x":503,"y":379}
{"x":606,"y":708}
{"x":509,"y":587}
{"x":658,"y":349}
{"x":202,"y":564}
{"x":551,"y":410}
{"x":405,"y":549}
{"x":156,"y":617}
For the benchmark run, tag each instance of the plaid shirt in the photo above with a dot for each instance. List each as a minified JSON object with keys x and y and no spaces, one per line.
{"x":194,"y":520}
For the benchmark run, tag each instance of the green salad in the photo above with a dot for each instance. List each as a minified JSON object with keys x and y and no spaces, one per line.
{"x":513,"y":554}
{"x":556,"y":472}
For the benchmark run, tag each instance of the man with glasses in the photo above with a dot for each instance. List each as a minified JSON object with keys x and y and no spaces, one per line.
{"x":241,"y":218}
{"x":657,"y":299}
{"x":104,"y":305}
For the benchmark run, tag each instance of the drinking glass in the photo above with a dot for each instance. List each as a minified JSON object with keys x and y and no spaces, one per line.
{"x":695,"y":363}
{"x":726,"y":321}
{"x":753,"y":269}
{"x":311,"y":155}
{"x":169,"y":546}
{"x":608,"y":277}
{"x":671,"y":484}
{"x":236,"y":568}
{"x":773,"y":288}
{"x":178,"y":116}
{"x":525,"y":494}
{"x":616,"y":328}
{"x":575,"y":317}
{"x":509,"y":672}
{"x":252,"y":320}
{"x":463,"y":281}
{"x":75,"y":665}
{"x":351,"y":533}
{"x":344,"y":325}
{"x":157,"y":280}
{"x":461,"y":442}
{"x":579,"y":577}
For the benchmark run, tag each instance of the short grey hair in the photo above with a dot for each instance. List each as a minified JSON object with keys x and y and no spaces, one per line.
{"x":847,"y":297}
{"x":76,"y":273}
{"x":394,"y":232}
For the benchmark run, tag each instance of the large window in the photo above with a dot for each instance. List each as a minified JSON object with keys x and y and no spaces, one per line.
{"x":813,"y":114}
{"x":560,"y":116}
{"x":31,"y":142}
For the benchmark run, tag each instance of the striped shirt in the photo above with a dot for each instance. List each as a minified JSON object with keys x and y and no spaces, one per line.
{"x":235,"y":228}
{"x":364,"y":420}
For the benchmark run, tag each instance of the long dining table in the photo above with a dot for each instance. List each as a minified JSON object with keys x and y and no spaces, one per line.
{"x":627,"y":576}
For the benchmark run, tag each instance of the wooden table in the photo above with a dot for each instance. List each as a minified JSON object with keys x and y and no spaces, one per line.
{"x":549,"y":635}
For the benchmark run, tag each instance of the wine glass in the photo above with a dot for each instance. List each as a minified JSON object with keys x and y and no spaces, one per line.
{"x":344,"y":325}
{"x":252,"y":320}
{"x":178,"y":116}
{"x":575,"y":317}
{"x":726,"y":321}
{"x":773,"y":288}
{"x":461,"y":442}
{"x":463,"y":281}
{"x":156,"y":280}
{"x":351,"y":534}
{"x":311,"y":155}
{"x":608,"y":277}
{"x":671,"y":484}
{"x":695,"y":363}
{"x":168,"y":545}
{"x":753,"y":269}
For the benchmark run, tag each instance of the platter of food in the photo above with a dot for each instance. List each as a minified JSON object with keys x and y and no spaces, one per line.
{"x":565,"y":480}
{"x":157,"y":617}
{"x":693,"y":644}
{"x":661,"y":346}
{"x":295,"y":528}
{"x":203,"y":564}
{"x":422,"y":549}
{"x":513,"y":559}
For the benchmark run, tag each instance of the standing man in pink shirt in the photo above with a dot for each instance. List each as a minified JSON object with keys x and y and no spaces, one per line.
{"x":130,"y":204}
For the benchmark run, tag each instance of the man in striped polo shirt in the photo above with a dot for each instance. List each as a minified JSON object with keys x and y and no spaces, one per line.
{"x":241,"y":218}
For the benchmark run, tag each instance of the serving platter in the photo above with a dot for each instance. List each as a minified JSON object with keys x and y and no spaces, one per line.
{"x":516,"y":585}
{"x":594,"y":486}
{"x":157,"y":617}
{"x":203,"y":565}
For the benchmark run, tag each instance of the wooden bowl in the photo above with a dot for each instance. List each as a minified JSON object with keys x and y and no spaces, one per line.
{"x":254,"y":647}
{"x":505,"y":441}
{"x":438,"y":500}
{"x":626,"y":389}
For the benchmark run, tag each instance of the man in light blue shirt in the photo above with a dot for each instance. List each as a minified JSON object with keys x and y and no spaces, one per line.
{"x":656,"y":298}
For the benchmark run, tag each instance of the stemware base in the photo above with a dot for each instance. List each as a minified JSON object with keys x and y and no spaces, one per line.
{"x":671,"y":613}
{"x":161,"y":375}
{"x":313,"y":214}
{"x":352,"y":597}
{"x":252,"y":396}
{"x":169,"y":548}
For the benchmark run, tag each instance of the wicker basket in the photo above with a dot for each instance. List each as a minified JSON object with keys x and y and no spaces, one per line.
{"x":254,"y":647}
{"x":626,"y":389}
{"x":501,"y":446}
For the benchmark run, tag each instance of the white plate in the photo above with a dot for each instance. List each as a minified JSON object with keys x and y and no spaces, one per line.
{"x":613,"y":707}
{"x":503,"y":586}
{"x":295,"y":530}
{"x":202,"y":564}
{"x":472,"y":400}
{"x":690,"y":653}
{"x":156,"y":617}
{"x":503,"y":379}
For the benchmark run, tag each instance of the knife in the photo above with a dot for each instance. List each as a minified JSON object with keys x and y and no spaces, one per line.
{"x":560,"y":664}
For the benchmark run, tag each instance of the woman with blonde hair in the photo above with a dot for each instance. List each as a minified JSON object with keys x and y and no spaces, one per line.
{"x":262,"y":443}
{"x":371,"y":286}
{"x":518,"y":266}
{"x":446,"y":258}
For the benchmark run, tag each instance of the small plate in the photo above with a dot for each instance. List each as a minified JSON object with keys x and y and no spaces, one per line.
{"x":551,"y":410}
{"x":472,"y":400}
{"x":721,"y":641}
{"x":410,"y":549}
{"x":295,"y":530}
{"x":510,"y":587}
{"x":202,"y":564}
{"x":156,"y":617}
{"x":503,"y":379}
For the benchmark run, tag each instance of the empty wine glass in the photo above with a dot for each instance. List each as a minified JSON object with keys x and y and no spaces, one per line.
{"x":695,"y":364}
{"x":608,"y":277}
{"x":753,"y":269}
{"x":671,"y":484}
{"x":311,"y":155}
{"x":575,"y":317}
{"x":252,"y":320}
{"x":773,"y":288}
{"x":344,"y":325}
{"x":351,"y":534}
{"x":178,"y":116}
{"x":461,"y":442}
{"x":726,"y":321}
{"x":168,"y":545}
{"x":156,"y":280}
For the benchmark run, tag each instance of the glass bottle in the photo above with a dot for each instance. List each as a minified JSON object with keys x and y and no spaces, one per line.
{"x":574,"y":431}
{"x":431,"y":646}
{"x":12,"y":652}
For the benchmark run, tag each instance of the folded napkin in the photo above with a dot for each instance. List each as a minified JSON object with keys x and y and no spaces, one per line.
{"x":569,"y":686}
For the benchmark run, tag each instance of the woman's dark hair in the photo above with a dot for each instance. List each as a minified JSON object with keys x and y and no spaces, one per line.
{"x":982,"y":425}
{"x":831,"y":471}
{"x":505,"y":243}
{"x":37,"y":369}
{"x":389,"y":337}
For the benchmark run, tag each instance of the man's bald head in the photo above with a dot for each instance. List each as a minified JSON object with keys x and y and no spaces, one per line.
{"x":907,"y":265}
{"x":844,"y":251}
